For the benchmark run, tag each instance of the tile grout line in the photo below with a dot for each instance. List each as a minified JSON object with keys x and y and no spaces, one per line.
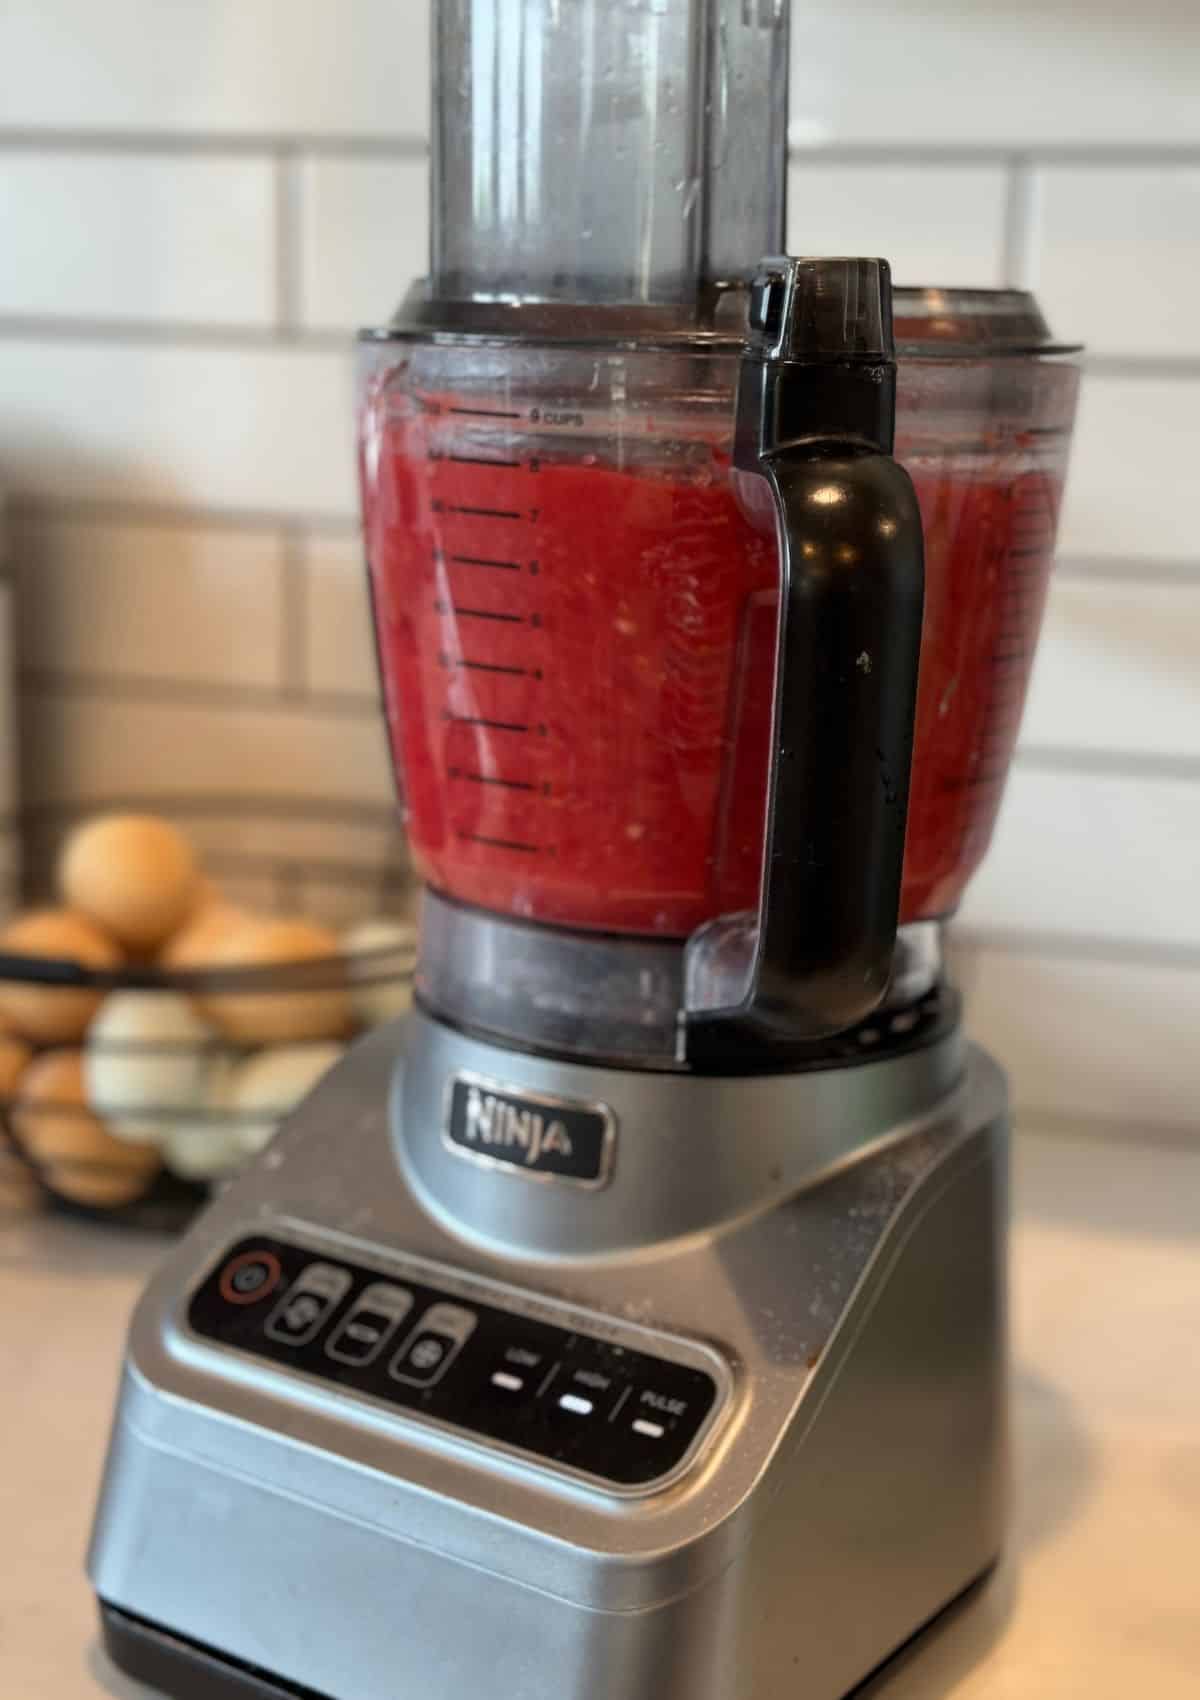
{"x":1146,"y":766}
{"x":285,"y":330}
{"x":413,"y":145}
{"x":287,"y":333}
{"x":1079,"y":569}
{"x":288,"y":212}
{"x":231,"y":143}
{"x":1029,"y":1122}
{"x":1077,"y":947}
{"x":293,"y":659}
{"x":141,"y":690}
{"x":117,"y":512}
{"x":1018,"y":248}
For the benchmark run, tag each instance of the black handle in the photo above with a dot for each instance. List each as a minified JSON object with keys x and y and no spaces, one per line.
{"x":818,"y":427}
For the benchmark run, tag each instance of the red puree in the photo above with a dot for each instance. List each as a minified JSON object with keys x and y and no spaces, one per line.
{"x":578,"y":666}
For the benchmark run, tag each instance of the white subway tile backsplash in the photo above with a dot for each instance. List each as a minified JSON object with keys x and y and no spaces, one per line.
{"x":340,"y":904}
{"x":364,"y":238}
{"x":1130,"y":488}
{"x":1106,"y":1039}
{"x":1116,"y":254}
{"x":232,"y":428}
{"x":339,"y":643}
{"x":1118,"y":669}
{"x":250,"y":66}
{"x":935,"y":223}
{"x":87,"y":749}
{"x":1092,"y":856}
{"x":314,"y":835}
{"x":177,"y":603}
{"x":864,"y":70}
{"x":1014,"y":73}
{"x":339,"y":863}
{"x":156,"y":237}
{"x":263,"y":892}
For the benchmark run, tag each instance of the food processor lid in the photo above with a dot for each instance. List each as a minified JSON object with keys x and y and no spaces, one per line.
{"x":935,"y":323}
{"x":930,"y":323}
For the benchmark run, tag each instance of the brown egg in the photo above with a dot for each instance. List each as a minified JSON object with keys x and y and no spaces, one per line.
{"x":202,"y":935}
{"x":72,"y":1150}
{"x":53,"y":1015}
{"x":135,"y":875}
{"x":19,"y":1189}
{"x":14,"y":1057}
{"x":204,"y":892}
{"x":279,"y":1015}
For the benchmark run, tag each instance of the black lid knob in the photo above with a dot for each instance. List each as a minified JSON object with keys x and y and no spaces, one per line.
{"x":821,"y":309}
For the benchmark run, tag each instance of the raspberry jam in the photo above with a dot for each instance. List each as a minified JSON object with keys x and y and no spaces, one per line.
{"x":578,"y":666}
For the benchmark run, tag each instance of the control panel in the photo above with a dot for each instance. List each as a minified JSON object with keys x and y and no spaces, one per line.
{"x":559,"y":1393}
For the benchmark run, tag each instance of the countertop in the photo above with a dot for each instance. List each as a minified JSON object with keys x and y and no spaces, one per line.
{"x":1098,"y":1595}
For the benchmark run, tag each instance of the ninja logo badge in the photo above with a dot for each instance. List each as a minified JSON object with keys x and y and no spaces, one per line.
{"x":537,"y":1136}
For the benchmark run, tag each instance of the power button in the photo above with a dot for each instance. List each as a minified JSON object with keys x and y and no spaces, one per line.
{"x":249,"y":1277}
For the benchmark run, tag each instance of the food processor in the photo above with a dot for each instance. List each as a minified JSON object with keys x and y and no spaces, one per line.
{"x":630,"y":1319}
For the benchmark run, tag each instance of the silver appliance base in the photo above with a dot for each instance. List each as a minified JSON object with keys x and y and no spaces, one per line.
{"x":311,"y":1542}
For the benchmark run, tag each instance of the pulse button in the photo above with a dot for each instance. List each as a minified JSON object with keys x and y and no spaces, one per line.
{"x":656,"y":1413}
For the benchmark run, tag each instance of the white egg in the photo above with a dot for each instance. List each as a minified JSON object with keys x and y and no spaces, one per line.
{"x":202,"y":1151}
{"x":147,"y":1054}
{"x":390,"y":994}
{"x":206,"y":1147}
{"x":265,"y":1087}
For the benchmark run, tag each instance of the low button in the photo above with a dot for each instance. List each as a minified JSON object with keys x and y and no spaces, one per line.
{"x":523,"y":1360}
{"x":519,"y":1372}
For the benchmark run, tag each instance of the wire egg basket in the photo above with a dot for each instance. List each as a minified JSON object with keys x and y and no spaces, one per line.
{"x":170,"y":1078}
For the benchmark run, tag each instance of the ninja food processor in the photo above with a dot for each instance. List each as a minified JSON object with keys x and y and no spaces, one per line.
{"x":630,"y":1319}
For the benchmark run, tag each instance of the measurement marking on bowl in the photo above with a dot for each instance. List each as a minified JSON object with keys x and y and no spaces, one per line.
{"x":483,"y":412}
{"x":481,"y":561}
{"x":492,"y":725}
{"x":495,"y":779}
{"x":486,"y":513}
{"x":501,"y":843}
{"x":499,"y":667}
{"x":488,"y":614}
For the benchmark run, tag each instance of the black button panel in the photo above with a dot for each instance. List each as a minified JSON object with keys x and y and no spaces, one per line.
{"x":571,"y":1399}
